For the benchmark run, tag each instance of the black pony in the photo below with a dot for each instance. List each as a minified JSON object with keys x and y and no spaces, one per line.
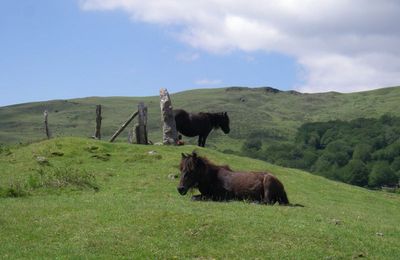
{"x":200,"y":124}
{"x":221,"y":183}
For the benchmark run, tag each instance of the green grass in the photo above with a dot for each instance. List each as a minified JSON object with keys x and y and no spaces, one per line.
{"x":136,"y":212}
{"x":249,"y":109}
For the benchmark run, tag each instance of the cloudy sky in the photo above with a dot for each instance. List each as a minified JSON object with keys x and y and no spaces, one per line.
{"x":75,"y":48}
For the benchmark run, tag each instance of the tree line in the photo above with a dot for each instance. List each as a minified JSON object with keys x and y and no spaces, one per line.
{"x":363,"y":152}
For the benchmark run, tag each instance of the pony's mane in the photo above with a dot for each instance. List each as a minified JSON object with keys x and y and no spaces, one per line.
{"x":210,"y":165}
{"x":207,"y":162}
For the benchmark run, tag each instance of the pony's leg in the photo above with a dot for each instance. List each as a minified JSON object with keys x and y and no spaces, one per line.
{"x":203,"y":144}
{"x":268,"y":198}
{"x":204,"y":139}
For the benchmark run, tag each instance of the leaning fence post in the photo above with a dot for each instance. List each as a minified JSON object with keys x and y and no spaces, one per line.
{"x":46,"y":124}
{"x":141,"y":131}
{"x":97,"y":134}
{"x":170,"y":135}
{"x":123,"y":126}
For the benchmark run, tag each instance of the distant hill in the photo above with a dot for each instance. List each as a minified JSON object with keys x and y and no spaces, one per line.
{"x":265,"y":111}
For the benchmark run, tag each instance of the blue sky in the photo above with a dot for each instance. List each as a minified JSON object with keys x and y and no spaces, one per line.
{"x":76,"y":48}
{"x":54,"y":50}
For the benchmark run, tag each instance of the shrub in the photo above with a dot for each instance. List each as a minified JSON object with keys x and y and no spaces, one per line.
{"x":356,"y":173}
{"x":14,"y":190}
{"x":252,"y":145}
{"x":362,"y":152}
{"x":396,"y":164}
{"x":381,"y":175}
{"x":62,"y":177}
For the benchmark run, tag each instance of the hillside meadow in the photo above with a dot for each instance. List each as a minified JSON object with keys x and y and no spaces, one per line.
{"x":265,"y":112}
{"x":80,"y":198}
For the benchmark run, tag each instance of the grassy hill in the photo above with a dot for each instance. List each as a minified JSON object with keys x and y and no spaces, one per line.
{"x":80,"y":198}
{"x":269,"y":112}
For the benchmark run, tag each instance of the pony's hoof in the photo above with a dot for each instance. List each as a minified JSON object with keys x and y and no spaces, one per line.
{"x":197,"y":197}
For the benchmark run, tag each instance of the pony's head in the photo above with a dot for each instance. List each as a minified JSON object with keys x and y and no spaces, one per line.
{"x":224,"y":122}
{"x":192,"y":167}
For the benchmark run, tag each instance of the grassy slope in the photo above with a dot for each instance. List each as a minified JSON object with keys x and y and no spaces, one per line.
{"x":137,"y":213}
{"x":249,"y":109}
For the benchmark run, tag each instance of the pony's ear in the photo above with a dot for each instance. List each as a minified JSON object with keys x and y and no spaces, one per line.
{"x":225,"y":113}
{"x":194,"y":154}
{"x":184,"y":155}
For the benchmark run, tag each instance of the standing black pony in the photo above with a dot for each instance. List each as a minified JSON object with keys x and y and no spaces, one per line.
{"x":200,"y":124}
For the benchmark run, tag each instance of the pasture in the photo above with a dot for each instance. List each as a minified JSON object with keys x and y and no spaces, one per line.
{"x":80,"y":198}
{"x":252,"y":111}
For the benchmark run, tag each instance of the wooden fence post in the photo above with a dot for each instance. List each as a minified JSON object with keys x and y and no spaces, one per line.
{"x":130,"y":135}
{"x":123,"y":126}
{"x":170,"y":135}
{"x":97,"y":134}
{"x":141,"y":131}
{"x":46,"y":124}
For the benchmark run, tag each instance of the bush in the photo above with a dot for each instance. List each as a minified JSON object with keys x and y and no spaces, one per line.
{"x":252,"y":145}
{"x":356,"y":173}
{"x":382,"y":175}
{"x":62,"y":177}
{"x":14,"y":190}
{"x":340,"y":150}
{"x":362,"y":152}
{"x":396,"y":164}
{"x":252,"y":148}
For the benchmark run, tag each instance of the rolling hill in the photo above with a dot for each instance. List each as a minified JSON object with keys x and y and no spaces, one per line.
{"x":81,"y":198}
{"x":267,"y":111}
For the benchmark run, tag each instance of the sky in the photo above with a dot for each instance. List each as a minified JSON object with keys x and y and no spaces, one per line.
{"x":76,"y":48}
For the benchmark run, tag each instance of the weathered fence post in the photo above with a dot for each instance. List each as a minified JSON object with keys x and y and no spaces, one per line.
{"x":170,"y":135}
{"x":141,"y":130}
{"x":97,"y":133}
{"x":130,"y":135}
{"x":123,"y":126}
{"x":46,"y":124}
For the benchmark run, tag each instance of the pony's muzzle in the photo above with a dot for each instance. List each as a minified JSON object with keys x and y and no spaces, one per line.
{"x":182,"y":190}
{"x":226,"y":130}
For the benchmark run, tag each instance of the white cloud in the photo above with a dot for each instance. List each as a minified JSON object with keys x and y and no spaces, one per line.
{"x":342,"y":45}
{"x":208,"y":82}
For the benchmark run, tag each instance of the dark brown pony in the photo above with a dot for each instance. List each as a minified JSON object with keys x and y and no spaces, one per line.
{"x":200,"y":124}
{"x":221,"y":183}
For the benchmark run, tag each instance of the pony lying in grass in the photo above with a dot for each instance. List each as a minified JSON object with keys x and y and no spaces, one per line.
{"x":200,"y":124}
{"x":220,"y":183}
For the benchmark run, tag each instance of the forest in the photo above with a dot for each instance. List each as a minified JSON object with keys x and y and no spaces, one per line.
{"x":363,"y":152}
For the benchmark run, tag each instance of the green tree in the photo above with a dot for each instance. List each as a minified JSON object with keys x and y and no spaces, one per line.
{"x":309,"y":158}
{"x":324,"y":166}
{"x":314,"y":141}
{"x":338,"y":152}
{"x":381,"y":174}
{"x":252,"y":147}
{"x":252,"y":144}
{"x":329,"y":136}
{"x":396,"y":164}
{"x":362,"y":152}
{"x":356,"y":173}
